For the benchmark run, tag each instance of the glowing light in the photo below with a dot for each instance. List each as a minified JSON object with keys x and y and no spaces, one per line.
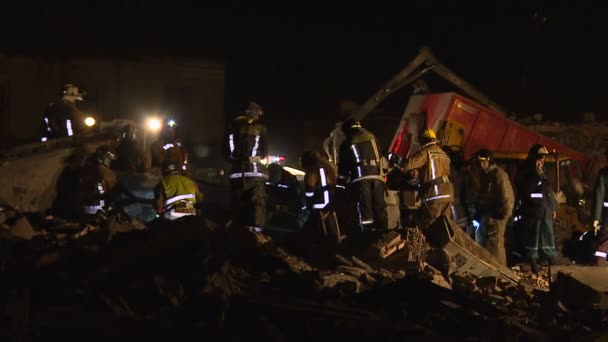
{"x":171,"y":123}
{"x":154,"y":124}
{"x":89,"y":121}
{"x":293,"y":171}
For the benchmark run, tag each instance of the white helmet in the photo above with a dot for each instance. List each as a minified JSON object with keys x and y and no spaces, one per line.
{"x":70,"y":92}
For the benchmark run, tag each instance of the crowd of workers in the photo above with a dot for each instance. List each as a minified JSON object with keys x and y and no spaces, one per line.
{"x":477,"y":194}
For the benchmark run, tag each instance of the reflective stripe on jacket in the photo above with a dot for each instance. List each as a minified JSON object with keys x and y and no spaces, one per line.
{"x":176,"y":194}
{"x":359,"y":158}
{"x":433,"y":164}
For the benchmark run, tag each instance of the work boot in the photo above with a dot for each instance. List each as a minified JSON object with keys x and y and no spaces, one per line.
{"x":534,"y":265}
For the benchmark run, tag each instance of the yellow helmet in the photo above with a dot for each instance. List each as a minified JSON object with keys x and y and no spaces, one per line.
{"x":428,"y":134}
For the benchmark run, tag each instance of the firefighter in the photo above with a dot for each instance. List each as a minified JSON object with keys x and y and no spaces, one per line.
{"x":359,"y":167}
{"x":98,"y":183}
{"x":436,"y":191}
{"x":600,"y":215}
{"x":245,"y":145}
{"x":465,"y":193}
{"x":129,"y":156}
{"x":63,"y":118}
{"x":286,"y":201}
{"x":169,"y":146}
{"x":537,"y":207}
{"x":495,"y":205}
{"x":320,"y":186}
{"x":175,"y":195}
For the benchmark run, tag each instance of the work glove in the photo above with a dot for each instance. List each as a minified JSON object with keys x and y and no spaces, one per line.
{"x":596,"y":226}
{"x":560,"y":197}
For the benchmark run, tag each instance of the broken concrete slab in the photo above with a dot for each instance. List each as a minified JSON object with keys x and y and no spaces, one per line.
{"x":22,"y":229}
{"x":582,"y":287}
{"x":466,"y":254}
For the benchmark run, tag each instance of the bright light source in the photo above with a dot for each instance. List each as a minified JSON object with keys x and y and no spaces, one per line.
{"x":154,"y":124}
{"x":273,"y":159}
{"x":293,"y":171}
{"x":89,"y":121}
{"x":171,"y":123}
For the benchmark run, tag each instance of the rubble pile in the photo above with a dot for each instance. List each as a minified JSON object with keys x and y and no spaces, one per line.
{"x":194,"y":278}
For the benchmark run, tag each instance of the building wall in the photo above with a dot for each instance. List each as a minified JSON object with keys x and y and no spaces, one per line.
{"x":192,"y":91}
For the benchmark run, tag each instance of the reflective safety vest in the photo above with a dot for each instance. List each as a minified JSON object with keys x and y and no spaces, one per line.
{"x":180,"y":193}
{"x":320,"y":197}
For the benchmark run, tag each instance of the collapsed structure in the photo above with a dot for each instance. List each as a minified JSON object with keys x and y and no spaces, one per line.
{"x":201,"y":276}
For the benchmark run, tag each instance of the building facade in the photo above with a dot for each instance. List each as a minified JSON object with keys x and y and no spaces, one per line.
{"x":191,"y":91}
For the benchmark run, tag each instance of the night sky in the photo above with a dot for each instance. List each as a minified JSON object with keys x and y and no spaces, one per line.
{"x":298,"y":61}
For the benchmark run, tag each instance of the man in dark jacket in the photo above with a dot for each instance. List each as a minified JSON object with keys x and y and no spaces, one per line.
{"x":98,"y":184}
{"x":62,"y":118}
{"x":129,"y":155}
{"x":359,"y":167}
{"x":169,"y":147}
{"x":537,"y":207}
{"x":496,"y":201}
{"x":245,"y":146}
{"x":320,"y":185}
{"x":600,"y":215}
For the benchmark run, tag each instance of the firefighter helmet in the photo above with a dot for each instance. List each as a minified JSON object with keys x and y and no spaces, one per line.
{"x":428,"y":134}
{"x":253,"y":110}
{"x":70,"y":92}
{"x":309,"y":159}
{"x":484,"y":154}
{"x":537,"y":151}
{"x":104,"y":155}
{"x":350,"y":124}
{"x":168,"y":167}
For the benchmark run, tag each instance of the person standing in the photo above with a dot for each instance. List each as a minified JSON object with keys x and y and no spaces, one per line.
{"x":495,"y":205}
{"x":359,"y":167}
{"x":537,"y":208}
{"x":63,"y":118}
{"x":245,"y":145}
{"x":599,"y":214}
{"x":433,"y":168}
{"x":320,"y":185}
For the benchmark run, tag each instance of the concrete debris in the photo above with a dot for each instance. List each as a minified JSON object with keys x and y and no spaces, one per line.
{"x":243,"y":284}
{"x":22,"y":229}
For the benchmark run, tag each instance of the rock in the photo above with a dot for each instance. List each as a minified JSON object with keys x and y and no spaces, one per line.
{"x":463,"y":285}
{"x":486,"y":283}
{"x":23,"y":229}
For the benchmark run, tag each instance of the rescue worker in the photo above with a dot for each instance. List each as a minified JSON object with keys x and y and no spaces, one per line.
{"x":359,"y":167}
{"x":129,"y":156}
{"x":169,"y":146}
{"x":436,"y":191}
{"x":98,"y":184}
{"x":600,"y":215}
{"x":320,"y":186}
{"x":465,"y":193}
{"x":537,"y":208}
{"x":496,"y":202}
{"x":286,"y":201}
{"x":245,"y":145}
{"x":62,"y":118}
{"x":175,"y":195}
